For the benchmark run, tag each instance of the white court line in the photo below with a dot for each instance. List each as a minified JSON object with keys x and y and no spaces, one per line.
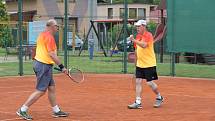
{"x":2,"y":77}
{"x":191,"y":96}
{"x":11,"y":119}
{"x":7,"y":112}
{"x":188,"y":78}
{"x":16,"y":92}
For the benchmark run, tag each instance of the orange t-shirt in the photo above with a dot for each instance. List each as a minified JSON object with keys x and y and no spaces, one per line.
{"x":146,"y":56}
{"x":45,"y":44}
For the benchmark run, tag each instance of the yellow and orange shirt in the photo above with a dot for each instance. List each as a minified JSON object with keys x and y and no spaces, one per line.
{"x":45,"y":44}
{"x":146,"y":56}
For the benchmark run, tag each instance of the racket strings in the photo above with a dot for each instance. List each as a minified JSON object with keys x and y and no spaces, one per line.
{"x":76,"y":74}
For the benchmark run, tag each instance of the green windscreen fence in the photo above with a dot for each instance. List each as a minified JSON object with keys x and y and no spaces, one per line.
{"x":191,"y":26}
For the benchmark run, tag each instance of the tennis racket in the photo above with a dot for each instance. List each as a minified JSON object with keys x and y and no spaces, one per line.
{"x":74,"y":74}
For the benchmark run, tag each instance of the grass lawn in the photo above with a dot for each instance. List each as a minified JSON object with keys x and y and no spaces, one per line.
{"x":101,"y":64}
{"x":107,"y":65}
{"x":2,"y":51}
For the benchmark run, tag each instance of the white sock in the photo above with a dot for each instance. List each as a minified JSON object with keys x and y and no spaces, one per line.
{"x":138,"y":100}
{"x":24,"y":108}
{"x":56,"y":109}
{"x":159,"y":96}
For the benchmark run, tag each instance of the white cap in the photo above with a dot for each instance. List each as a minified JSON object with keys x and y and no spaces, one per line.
{"x":140,"y":22}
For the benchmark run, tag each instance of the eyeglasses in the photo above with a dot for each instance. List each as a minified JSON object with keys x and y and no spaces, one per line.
{"x":56,"y":25}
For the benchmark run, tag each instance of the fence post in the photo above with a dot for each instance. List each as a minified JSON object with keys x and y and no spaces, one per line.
{"x":20,"y":37}
{"x":124,"y":35}
{"x":172,"y":73}
{"x":65,"y":32}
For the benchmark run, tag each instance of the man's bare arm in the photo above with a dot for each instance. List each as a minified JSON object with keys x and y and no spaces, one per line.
{"x":54,"y":57}
{"x":139,"y":43}
{"x":57,"y":61}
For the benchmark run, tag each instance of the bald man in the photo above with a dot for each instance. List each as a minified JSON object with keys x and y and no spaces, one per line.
{"x":45,"y":58}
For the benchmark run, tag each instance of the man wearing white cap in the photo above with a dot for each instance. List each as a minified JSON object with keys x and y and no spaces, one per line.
{"x":145,"y":64}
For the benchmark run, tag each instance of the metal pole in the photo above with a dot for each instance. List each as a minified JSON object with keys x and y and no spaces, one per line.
{"x":173,"y":64}
{"x":65,"y":32}
{"x":161,"y":42}
{"x":20,"y":37}
{"x":99,"y":40}
{"x":91,"y":42}
{"x":125,"y":34}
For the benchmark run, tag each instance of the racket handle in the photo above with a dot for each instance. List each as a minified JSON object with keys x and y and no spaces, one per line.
{"x":57,"y":69}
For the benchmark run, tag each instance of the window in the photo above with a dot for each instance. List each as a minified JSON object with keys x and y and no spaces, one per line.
{"x":110,"y":13}
{"x":132,"y":13}
{"x":121,"y":13}
{"x":70,"y":1}
{"x":59,"y":1}
{"x":141,"y":13}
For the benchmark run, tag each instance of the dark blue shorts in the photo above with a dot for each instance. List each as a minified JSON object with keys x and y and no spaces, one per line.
{"x":44,"y":75}
{"x":147,"y":73}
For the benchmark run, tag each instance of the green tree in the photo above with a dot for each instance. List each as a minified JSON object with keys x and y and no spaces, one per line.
{"x":5,"y":33}
{"x":151,"y":26}
{"x":156,"y":2}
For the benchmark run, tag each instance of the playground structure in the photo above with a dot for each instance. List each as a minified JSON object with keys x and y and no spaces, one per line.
{"x":111,"y":23}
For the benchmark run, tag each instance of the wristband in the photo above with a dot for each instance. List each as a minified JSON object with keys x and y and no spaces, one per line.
{"x":61,"y":66}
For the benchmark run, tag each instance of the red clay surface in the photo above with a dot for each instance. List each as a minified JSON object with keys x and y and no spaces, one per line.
{"x":104,"y":97}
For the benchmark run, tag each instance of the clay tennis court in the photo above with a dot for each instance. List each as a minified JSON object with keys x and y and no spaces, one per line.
{"x":104,"y":97}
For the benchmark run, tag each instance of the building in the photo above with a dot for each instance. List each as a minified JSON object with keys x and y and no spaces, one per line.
{"x":80,"y":12}
{"x":116,"y":11}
